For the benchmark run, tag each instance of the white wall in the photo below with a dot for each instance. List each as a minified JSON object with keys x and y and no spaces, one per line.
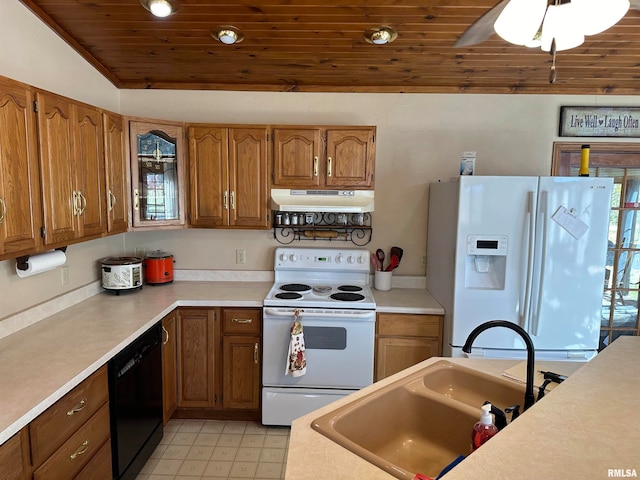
{"x":420,"y":139}
{"x":32,"y":53}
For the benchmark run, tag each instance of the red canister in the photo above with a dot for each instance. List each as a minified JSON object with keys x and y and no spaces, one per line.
{"x":158,"y":268}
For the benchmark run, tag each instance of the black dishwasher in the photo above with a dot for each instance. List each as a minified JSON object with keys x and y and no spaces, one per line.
{"x":135,"y":403}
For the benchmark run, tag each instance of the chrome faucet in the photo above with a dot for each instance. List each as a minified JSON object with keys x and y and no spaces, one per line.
{"x":528,"y":394}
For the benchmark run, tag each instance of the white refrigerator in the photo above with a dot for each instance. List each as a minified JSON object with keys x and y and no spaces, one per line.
{"x":530,"y":250}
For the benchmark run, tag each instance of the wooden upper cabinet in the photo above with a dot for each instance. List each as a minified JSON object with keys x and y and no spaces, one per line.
{"x":117,"y":173}
{"x":20,"y":207}
{"x":324,"y":157}
{"x":157,"y":174}
{"x":296,"y":157}
{"x":350,"y":158}
{"x":228,"y":176}
{"x":72,"y":169}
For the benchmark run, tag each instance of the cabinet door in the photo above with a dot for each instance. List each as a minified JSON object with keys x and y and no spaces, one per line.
{"x":297,"y":160}
{"x":396,"y":354}
{"x":169,"y":374}
{"x":350,"y":158}
{"x":14,"y":457}
{"x":209,"y":177}
{"x":20,"y":211}
{"x":90,"y":171}
{"x":241,"y":367}
{"x":196,"y":363}
{"x":158,"y":174}
{"x":57,"y":168}
{"x":248,"y":184}
{"x":117,"y":174}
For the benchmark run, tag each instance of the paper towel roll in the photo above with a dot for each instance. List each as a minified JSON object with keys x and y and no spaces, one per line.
{"x":42,"y":263}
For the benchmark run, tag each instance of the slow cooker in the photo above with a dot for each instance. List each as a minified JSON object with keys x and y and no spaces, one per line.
{"x":121,"y":273}
{"x":158,"y":268}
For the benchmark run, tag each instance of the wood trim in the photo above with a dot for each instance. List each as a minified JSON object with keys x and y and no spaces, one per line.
{"x":609,"y":154}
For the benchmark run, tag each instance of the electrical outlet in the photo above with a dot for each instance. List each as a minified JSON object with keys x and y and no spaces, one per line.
{"x":64,"y":273}
{"x":241,"y":258}
{"x":423,"y":260}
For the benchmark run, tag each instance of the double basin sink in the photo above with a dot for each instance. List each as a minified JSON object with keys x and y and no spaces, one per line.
{"x":420,"y":423}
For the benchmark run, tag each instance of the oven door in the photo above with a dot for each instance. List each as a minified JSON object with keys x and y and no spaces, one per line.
{"x":338,"y":346}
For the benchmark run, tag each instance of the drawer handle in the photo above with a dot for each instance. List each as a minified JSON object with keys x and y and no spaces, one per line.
{"x":79,"y":406}
{"x":255,"y":353}
{"x":242,"y":320}
{"x":81,"y":450}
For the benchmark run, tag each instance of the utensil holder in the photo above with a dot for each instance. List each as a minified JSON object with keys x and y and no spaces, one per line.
{"x":382,"y":280}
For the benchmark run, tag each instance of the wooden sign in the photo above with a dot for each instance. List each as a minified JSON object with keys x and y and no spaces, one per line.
{"x":600,"y":121}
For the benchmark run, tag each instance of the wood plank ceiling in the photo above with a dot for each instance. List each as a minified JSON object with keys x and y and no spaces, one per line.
{"x":309,"y":45}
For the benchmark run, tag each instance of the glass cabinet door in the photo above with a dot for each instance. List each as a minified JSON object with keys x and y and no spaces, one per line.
{"x":157,"y":171}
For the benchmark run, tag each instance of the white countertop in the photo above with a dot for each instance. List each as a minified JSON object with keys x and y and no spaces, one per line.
{"x":584,"y":427}
{"x":42,"y":362}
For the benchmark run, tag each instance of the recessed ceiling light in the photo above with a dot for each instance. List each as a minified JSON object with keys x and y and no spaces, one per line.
{"x":380,"y":35}
{"x":228,"y":35}
{"x":160,"y":8}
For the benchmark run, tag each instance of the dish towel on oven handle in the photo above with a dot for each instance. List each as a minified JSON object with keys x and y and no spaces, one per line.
{"x":296,"y":356}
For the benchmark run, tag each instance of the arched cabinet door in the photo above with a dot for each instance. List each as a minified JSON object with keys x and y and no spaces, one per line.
{"x":157,"y":174}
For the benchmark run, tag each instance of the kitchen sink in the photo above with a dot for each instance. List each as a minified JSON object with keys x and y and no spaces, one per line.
{"x":471,"y":386}
{"x":421,"y":423}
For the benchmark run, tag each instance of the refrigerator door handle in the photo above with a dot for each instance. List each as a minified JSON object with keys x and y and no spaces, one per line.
{"x":528,"y":280}
{"x":542,"y":215}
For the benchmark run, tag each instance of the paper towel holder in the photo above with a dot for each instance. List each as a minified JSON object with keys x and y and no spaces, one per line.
{"x":22,"y":263}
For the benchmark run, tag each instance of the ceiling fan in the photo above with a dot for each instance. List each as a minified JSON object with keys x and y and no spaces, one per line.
{"x":483,"y":28}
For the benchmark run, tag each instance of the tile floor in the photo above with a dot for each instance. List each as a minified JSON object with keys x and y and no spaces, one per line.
{"x":215,"y":449}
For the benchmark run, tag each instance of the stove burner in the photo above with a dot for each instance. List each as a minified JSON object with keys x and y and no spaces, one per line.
{"x":295,"y":287}
{"x":349,"y":288}
{"x":347,"y":297}
{"x":288,"y":296}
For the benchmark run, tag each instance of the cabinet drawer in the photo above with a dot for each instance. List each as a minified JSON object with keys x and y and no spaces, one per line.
{"x":74,"y":454}
{"x":58,"y":422}
{"x":99,"y":467}
{"x":241,"y":320}
{"x":407,"y":325}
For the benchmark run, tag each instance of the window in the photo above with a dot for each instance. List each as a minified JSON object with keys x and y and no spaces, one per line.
{"x":622,"y":276}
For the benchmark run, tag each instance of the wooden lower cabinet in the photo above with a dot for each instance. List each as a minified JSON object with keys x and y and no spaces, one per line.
{"x":219,"y":362}
{"x":71,"y":435}
{"x":169,"y":372}
{"x":402,"y":340}
{"x":14,"y":457}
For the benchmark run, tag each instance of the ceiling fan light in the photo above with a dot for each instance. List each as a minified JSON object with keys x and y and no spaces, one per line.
{"x":562,"y":23}
{"x":596,"y":16}
{"x":160,"y":8}
{"x":520,"y":20}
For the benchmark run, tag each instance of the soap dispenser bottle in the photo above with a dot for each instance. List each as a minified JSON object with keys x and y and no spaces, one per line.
{"x":484,"y":429}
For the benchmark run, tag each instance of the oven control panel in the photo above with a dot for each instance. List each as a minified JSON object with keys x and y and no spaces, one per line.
{"x":321,"y":258}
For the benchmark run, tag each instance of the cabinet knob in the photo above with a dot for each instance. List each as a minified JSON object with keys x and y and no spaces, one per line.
{"x":242,"y":320}
{"x":136,"y":199}
{"x":112,"y":201}
{"x":81,"y":450}
{"x":3,"y":212}
{"x":79,"y":406}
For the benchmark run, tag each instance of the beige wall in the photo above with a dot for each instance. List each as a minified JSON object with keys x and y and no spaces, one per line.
{"x":420,"y":139}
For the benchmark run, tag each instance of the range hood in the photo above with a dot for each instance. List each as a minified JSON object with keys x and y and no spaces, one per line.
{"x":347,"y":201}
